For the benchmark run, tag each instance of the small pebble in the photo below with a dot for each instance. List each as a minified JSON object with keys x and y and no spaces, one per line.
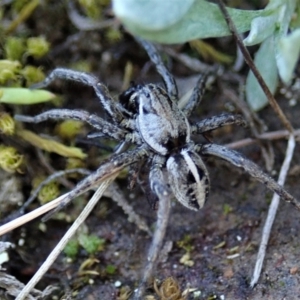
{"x":294,"y":270}
{"x":118,"y":283}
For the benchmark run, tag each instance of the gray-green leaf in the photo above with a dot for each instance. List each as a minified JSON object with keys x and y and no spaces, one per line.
{"x":287,"y":56}
{"x":266,"y":64}
{"x":23,"y":96}
{"x":177,"y":21}
{"x":261,"y":28}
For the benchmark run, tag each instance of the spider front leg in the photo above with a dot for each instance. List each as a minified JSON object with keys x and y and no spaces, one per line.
{"x":112,"y":107}
{"x":250,"y":167}
{"x":115,"y":164}
{"x":157,"y":181}
{"x":161,"y":68}
{"x":106,"y":128}
{"x":216,"y":122}
{"x":161,"y":189}
{"x":196,"y":96}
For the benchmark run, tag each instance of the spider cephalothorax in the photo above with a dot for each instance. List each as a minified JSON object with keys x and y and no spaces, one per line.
{"x":154,"y":110}
{"x":149,"y":116}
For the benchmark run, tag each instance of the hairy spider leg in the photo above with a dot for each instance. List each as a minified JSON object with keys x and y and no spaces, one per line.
{"x":113,"y":165}
{"x":134,"y":173}
{"x":196,"y":96}
{"x":161,"y":68}
{"x":216,"y":122}
{"x":117,"y":111}
{"x":107,"y":129}
{"x":112,"y":107}
{"x":156,"y":178}
{"x":238,"y":160}
{"x":163,"y":214}
{"x":161,"y":189}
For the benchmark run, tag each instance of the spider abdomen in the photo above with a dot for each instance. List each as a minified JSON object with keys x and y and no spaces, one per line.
{"x":188,"y":179}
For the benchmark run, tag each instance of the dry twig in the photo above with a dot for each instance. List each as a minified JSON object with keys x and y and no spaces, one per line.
{"x":286,"y":123}
{"x":32,"y":215}
{"x":290,"y":149}
{"x":273,"y":135}
{"x":69,"y":234}
{"x":272,"y":211}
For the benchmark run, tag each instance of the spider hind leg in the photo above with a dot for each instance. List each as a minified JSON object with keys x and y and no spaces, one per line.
{"x":238,"y":160}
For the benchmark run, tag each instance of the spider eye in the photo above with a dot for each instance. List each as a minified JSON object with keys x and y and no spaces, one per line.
{"x":189,"y":179}
{"x":128,"y":98}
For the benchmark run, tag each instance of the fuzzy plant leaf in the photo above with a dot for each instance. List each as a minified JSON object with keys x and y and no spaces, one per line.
{"x":261,"y":29}
{"x":288,"y":52}
{"x":278,"y":53}
{"x":23,"y":96}
{"x":266,"y":64}
{"x":276,"y":20}
{"x":177,"y":21}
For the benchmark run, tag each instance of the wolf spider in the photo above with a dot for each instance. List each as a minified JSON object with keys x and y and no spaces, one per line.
{"x":148,"y":116}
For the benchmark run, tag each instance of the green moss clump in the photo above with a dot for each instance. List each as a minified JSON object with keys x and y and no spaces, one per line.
{"x":37,"y":46}
{"x":7,"y":123}
{"x":10,"y":159}
{"x":14,"y":48}
{"x":91,"y":243}
{"x":111,"y":269}
{"x":32,"y":75}
{"x":72,"y":248}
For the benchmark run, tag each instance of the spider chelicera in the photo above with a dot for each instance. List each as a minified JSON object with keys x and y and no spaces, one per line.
{"x":148,"y":116}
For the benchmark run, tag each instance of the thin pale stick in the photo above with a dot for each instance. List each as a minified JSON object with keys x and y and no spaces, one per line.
{"x":272,"y":212}
{"x":49,"y":179}
{"x":32,"y":215}
{"x":116,"y":167}
{"x":63,"y":242}
{"x":273,"y":135}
